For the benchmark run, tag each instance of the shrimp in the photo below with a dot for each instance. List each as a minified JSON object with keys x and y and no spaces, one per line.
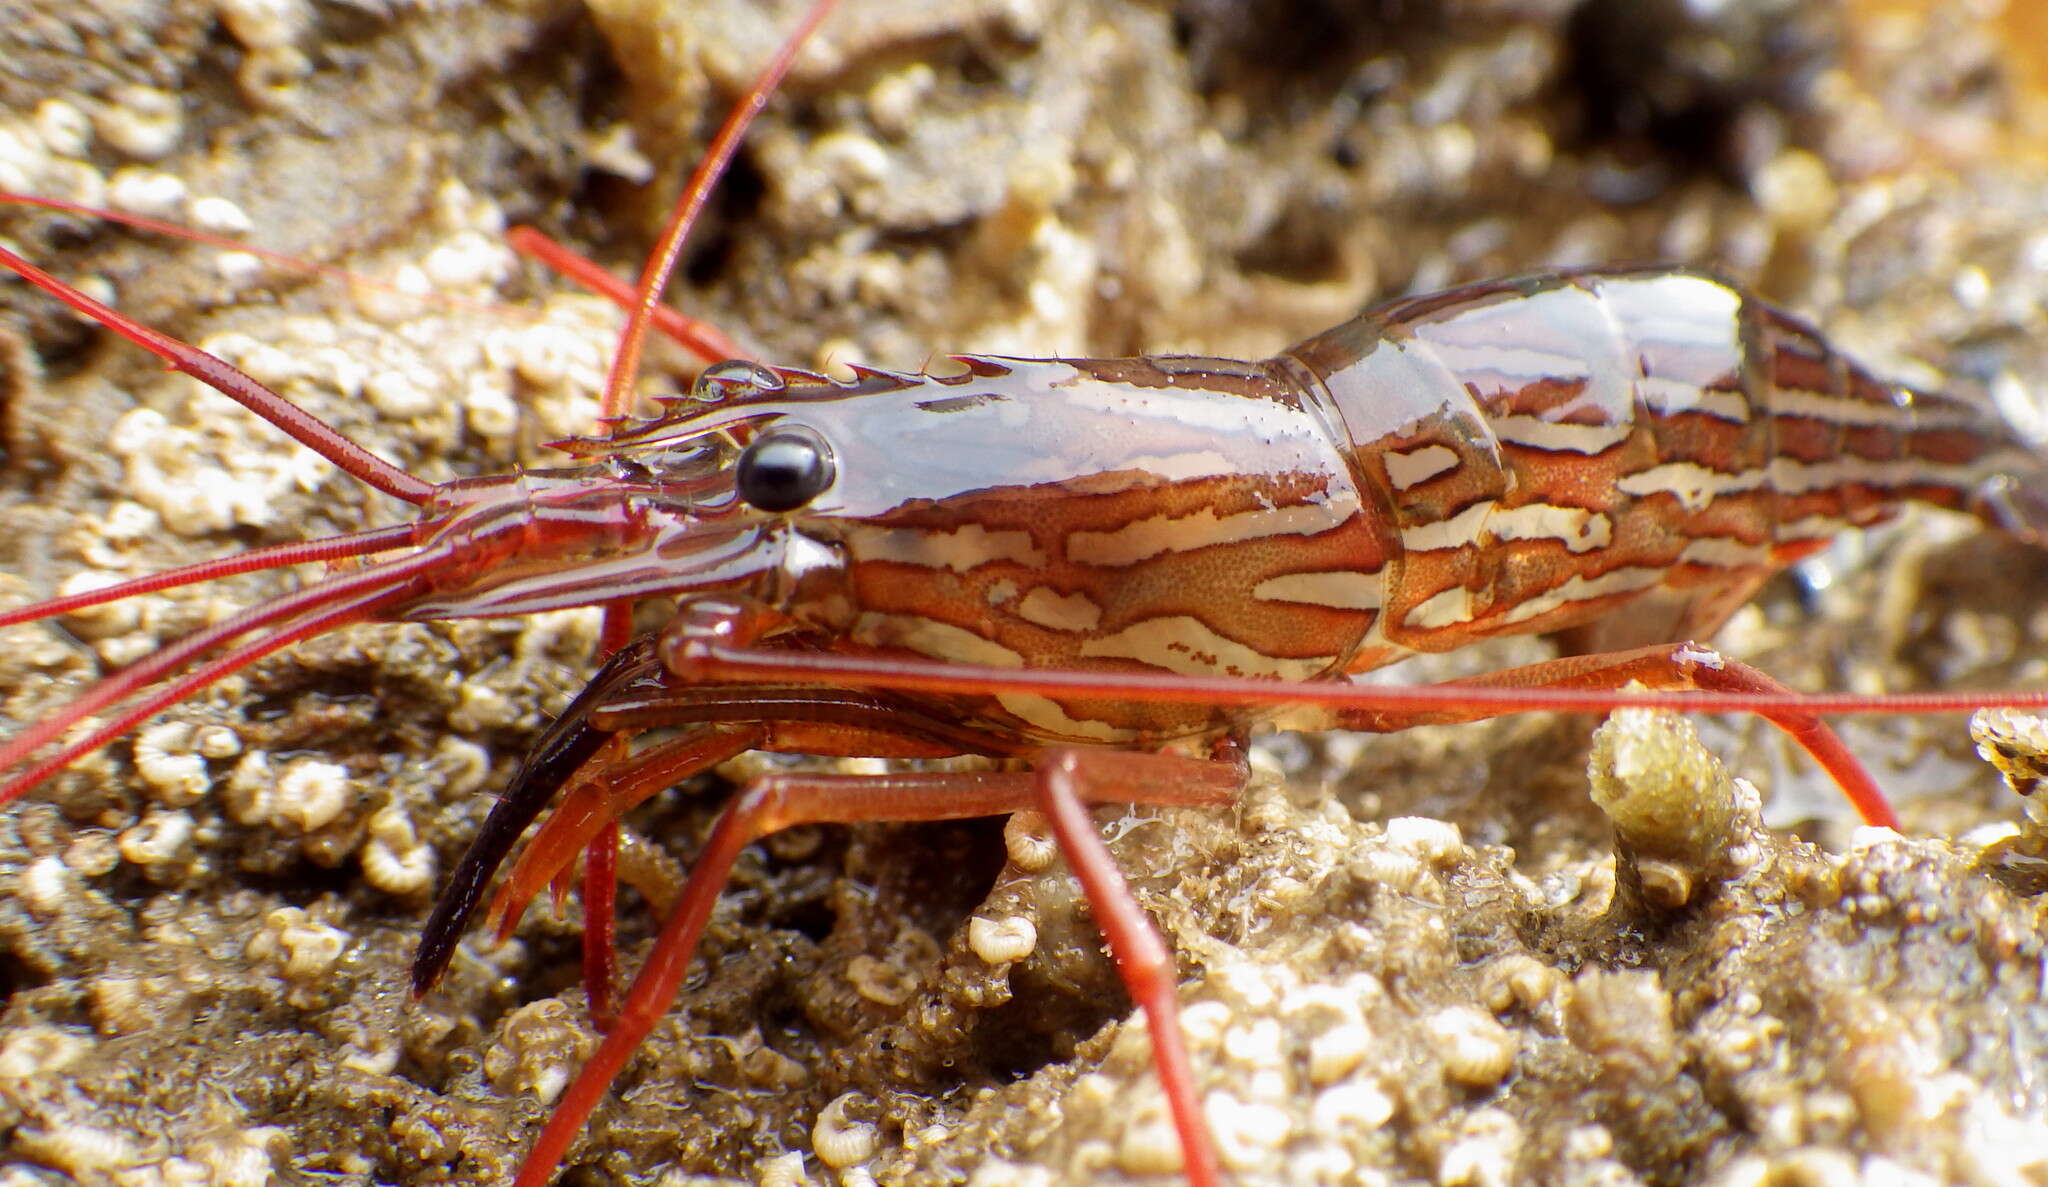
{"x":1135,"y":1155}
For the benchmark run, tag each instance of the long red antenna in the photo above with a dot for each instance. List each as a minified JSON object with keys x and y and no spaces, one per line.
{"x":662,"y":262}
{"x":296,"y":423}
{"x":314,"y":610}
{"x":282,"y":260}
{"x":701,"y":338}
{"x":799,"y":667}
{"x":276,"y":556}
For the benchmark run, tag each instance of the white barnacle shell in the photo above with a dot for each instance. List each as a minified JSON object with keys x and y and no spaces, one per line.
{"x":840,"y":1140}
{"x":143,"y":122}
{"x":311,"y":794}
{"x":1476,"y":1050}
{"x":1002,"y":941}
{"x":395,"y":859}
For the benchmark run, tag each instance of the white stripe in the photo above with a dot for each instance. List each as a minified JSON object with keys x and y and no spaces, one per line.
{"x":1059,"y":612}
{"x":1695,"y":486}
{"x":1723,"y":552}
{"x":1144,"y":539}
{"x":1581,"y":589}
{"x":1183,"y":644}
{"x":1799,"y":478}
{"x":1486,"y":521}
{"x":1669,"y":397}
{"x":1459,"y":531}
{"x":1533,"y":432}
{"x":930,"y":637}
{"x":1794,"y":401}
{"x":1692,"y":484}
{"x":1417,"y":466}
{"x":1811,"y":527}
{"x":1344,"y":590}
{"x":961,"y":549}
{"x":1046,"y":714}
{"x":1580,"y":529}
{"x":1444,"y":608}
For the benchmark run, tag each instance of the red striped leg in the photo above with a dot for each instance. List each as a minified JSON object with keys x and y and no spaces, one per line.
{"x":610,"y":784}
{"x":1068,"y":781}
{"x":1665,"y":667}
{"x":600,"y":930}
{"x":783,"y":801}
{"x":601,"y":862}
{"x":606,"y":788}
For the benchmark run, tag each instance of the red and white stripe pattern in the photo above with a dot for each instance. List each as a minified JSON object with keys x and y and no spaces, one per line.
{"x":1600,"y":439}
{"x":1204,"y":522}
{"x":1516,"y":456}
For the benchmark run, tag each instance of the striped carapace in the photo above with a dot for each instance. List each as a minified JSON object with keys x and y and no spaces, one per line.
{"x":1091,"y":563}
{"x":1634,"y":450}
{"x":1516,"y":456}
{"x":1087,"y":562}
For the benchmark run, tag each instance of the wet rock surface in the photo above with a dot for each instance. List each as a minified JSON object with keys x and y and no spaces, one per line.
{"x":1424,"y":957}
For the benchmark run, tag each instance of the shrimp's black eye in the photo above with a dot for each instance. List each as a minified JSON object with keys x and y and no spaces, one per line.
{"x":783,"y":469}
